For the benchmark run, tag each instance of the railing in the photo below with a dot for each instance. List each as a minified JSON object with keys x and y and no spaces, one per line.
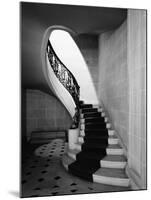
{"x":66,"y":78}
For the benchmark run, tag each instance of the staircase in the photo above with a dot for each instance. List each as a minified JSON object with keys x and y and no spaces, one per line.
{"x":98,"y":156}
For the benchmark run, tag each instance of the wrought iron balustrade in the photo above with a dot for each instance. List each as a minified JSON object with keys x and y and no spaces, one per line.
{"x":66,"y":78}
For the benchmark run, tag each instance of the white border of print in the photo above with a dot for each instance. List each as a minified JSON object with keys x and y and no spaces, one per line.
{"x":10,"y":103}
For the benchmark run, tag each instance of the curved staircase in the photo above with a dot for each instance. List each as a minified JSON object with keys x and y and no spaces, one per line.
{"x":95,"y":153}
{"x":97,"y":156}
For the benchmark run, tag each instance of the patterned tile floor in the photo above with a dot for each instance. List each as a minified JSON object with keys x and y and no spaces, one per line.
{"x":44,"y":175}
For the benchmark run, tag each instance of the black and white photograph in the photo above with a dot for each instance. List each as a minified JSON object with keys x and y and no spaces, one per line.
{"x":83,"y":96}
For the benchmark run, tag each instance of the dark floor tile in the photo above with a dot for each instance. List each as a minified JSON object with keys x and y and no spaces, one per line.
{"x":37,"y":188}
{"x":55,"y":186}
{"x":90,"y":188}
{"x":28,"y":173}
{"x":73,"y":190}
{"x":73,"y":184}
{"x":44,"y":171}
{"x":54,"y":193}
{"x":57,"y":177}
{"x":33,"y":167}
{"x":24,"y":181}
{"x":46,"y":165}
{"x":41,"y":179}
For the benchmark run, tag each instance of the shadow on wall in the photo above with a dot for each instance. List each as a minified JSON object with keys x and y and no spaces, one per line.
{"x":69,"y":53}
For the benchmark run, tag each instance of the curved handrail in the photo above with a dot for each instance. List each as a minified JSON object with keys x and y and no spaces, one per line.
{"x":66,"y":78}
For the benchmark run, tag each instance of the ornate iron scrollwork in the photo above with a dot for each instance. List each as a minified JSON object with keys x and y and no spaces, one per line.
{"x":66,"y":78}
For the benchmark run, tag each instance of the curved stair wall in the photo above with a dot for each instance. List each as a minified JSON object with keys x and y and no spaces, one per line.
{"x":60,"y":90}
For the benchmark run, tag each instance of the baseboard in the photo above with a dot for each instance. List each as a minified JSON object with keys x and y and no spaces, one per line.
{"x":134,"y":182}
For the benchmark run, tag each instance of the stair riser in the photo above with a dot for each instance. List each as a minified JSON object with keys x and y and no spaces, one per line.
{"x":82,"y":121}
{"x":109,"y":151}
{"x":108,"y":126}
{"x":111,"y":164}
{"x":113,"y":141}
{"x":111,"y":181}
{"x":96,"y":106}
{"x":106,"y":119}
{"x":90,"y":115}
{"x":93,"y":127}
{"x":110,"y":140}
{"x":88,"y":110}
{"x":94,"y":120}
{"x":83,"y":107}
{"x":103,"y":114}
{"x":100,"y":109}
{"x":110,"y":133}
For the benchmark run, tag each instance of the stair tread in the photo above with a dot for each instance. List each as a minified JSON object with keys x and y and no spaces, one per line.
{"x":91,"y":113}
{"x":110,"y":146}
{"x":114,"y":158}
{"x":94,"y":122}
{"x":113,"y":173}
{"x":100,"y":136}
{"x":89,"y":109}
{"x":94,"y":117}
{"x":97,"y":129}
{"x":86,"y":106}
{"x":114,"y":146}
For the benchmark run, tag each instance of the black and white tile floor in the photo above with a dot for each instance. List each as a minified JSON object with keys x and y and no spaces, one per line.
{"x":44,"y":175}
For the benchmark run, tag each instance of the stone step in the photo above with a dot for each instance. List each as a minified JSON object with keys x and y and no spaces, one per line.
{"x":96,"y":125}
{"x":66,"y":161}
{"x":92,"y":119}
{"x":114,"y":149}
{"x":111,"y":139}
{"x":85,"y":106}
{"x":109,"y":161}
{"x":116,"y":177}
{"x":114,"y":161}
{"x":110,"y":132}
{"x":90,"y":114}
{"x":111,"y":149}
{"x":88,"y":110}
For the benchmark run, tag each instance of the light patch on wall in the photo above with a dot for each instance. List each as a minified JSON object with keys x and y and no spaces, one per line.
{"x":69,"y":53}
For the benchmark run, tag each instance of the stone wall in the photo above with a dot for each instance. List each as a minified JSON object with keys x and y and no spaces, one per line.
{"x":137,"y":95}
{"x":122,"y":88}
{"x":113,"y":79}
{"x":43,"y":112}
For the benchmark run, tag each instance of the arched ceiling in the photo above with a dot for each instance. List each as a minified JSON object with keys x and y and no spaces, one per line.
{"x":37,"y":17}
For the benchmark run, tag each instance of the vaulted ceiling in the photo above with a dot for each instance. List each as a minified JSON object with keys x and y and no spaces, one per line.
{"x":37,"y":17}
{"x":82,"y":19}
